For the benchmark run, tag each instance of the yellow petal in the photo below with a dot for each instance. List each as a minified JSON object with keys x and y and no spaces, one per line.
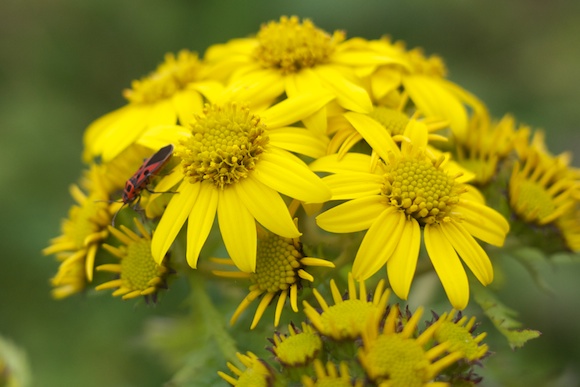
{"x":158,"y":136}
{"x":469,"y":250}
{"x":374,"y":133}
{"x":187,"y":103}
{"x":448,"y":266}
{"x":348,"y":94}
{"x":287,"y":174}
{"x":351,"y":162}
{"x":433,"y":99}
{"x":379,"y":243}
{"x":200,"y":221}
{"x":354,"y":215}
{"x":256,"y":88}
{"x":162,"y":113}
{"x":299,"y":140}
{"x":483,"y":222}
{"x":121,"y":133}
{"x":353,"y":185}
{"x":173,"y":218}
{"x":267,"y":207}
{"x":401,"y":267}
{"x":294,"y":109}
{"x":238,"y":230}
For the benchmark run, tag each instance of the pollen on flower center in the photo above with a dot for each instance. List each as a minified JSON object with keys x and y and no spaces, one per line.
{"x":418,"y":186}
{"x":225,"y":146}
{"x":170,"y":77}
{"x":290,"y":46}
{"x":277,"y":263}
{"x":394,"y":121}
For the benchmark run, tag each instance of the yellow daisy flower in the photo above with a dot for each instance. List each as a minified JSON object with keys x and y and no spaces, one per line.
{"x":293,"y":57}
{"x":280,"y":265}
{"x":331,"y":376}
{"x":171,"y":94}
{"x":348,"y":318}
{"x":297,"y":348}
{"x":232,"y":162}
{"x":82,"y":234}
{"x":423,"y":81}
{"x":407,"y":195}
{"x":256,"y":374}
{"x":394,"y":357}
{"x":139,"y":274}
{"x":545,"y":190}
{"x":457,"y":330}
{"x":487,"y":144}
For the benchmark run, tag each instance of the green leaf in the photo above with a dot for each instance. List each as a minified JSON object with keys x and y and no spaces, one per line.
{"x":503,"y":318}
{"x":536,"y":263}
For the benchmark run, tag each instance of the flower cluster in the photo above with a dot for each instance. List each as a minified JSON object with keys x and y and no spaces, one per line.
{"x":296,"y":143}
{"x":362,"y":341}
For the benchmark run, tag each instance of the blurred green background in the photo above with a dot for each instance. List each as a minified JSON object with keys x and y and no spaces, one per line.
{"x":64,"y":63}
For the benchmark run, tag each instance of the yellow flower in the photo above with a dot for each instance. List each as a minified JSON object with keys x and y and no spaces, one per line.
{"x":293,"y":57}
{"x":348,"y":318}
{"x":487,"y":144}
{"x":139,"y":274}
{"x":331,"y":376}
{"x":256,"y":374}
{"x":298,"y":347}
{"x":82,"y":234}
{"x":280,"y":265}
{"x":408,"y":195}
{"x":394,"y":357}
{"x":423,"y":81}
{"x":171,"y":94}
{"x":232,"y":162}
{"x":457,"y":330}
{"x":541,"y":187}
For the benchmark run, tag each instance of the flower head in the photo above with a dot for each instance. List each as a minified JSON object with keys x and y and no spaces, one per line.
{"x":233,"y":161}
{"x":171,"y":94}
{"x":280,"y":269}
{"x":408,"y":195}
{"x":256,"y":374}
{"x":457,"y":330}
{"x":294,"y":57}
{"x":139,"y":274}
{"x":400,"y":357}
{"x":487,"y":144}
{"x":82,"y":234}
{"x":298,"y":347}
{"x":347,"y":318}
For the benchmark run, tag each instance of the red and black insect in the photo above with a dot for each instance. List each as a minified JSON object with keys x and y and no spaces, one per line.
{"x":142,"y":177}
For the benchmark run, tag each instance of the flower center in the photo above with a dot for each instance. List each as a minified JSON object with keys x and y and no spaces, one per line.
{"x":400,"y":360}
{"x":226,"y":145}
{"x":277,"y":263}
{"x":533,"y":202}
{"x":290,"y":46}
{"x":138,"y":267}
{"x":417,"y":185}
{"x":460,"y":340}
{"x":170,"y":77}
{"x":298,"y":349}
{"x":393,"y":120}
{"x":348,"y":318}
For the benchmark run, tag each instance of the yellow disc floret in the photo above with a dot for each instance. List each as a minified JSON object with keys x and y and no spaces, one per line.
{"x":290,"y":46}
{"x":418,"y":186}
{"x":173,"y":75}
{"x":226,"y":145}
